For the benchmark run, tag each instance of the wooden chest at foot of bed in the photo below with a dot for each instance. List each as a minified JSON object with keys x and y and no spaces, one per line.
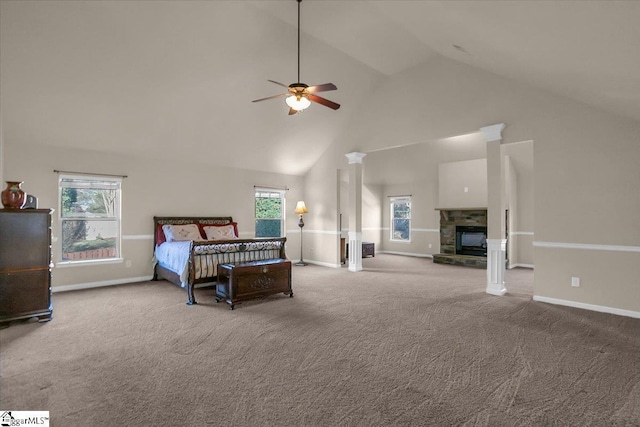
{"x":242,"y":281}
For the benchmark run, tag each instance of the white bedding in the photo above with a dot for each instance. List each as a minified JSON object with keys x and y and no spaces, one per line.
{"x":175,"y":257}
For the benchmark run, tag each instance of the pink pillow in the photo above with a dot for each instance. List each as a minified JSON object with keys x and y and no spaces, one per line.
{"x":160,"y":237}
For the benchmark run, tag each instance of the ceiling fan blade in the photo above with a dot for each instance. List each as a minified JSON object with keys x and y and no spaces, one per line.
{"x":323,"y":101}
{"x":278,"y":83}
{"x":271,"y":97}
{"x":292,"y":111}
{"x":321,"y":88}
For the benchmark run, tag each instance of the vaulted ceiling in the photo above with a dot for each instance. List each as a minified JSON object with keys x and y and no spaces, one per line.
{"x":167,"y":79}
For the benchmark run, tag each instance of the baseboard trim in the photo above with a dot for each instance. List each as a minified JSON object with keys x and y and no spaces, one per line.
{"x":80,"y":286}
{"x":516,"y":265}
{"x":320,"y":263}
{"x":586,"y":246}
{"x":585,"y":306}
{"x":406,"y":254}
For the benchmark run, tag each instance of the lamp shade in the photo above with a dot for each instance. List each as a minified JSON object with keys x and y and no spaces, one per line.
{"x":297,"y":102}
{"x":301,"y":208}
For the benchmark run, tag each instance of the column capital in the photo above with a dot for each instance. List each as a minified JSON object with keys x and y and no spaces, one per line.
{"x":493,"y":132}
{"x":355,"y":157}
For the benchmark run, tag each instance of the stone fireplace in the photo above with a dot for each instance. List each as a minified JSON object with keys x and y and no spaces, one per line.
{"x":463,"y":235}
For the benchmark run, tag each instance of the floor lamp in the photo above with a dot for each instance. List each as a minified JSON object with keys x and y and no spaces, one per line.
{"x":301,"y":209}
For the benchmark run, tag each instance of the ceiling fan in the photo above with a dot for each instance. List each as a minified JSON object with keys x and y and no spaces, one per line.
{"x":300,"y":95}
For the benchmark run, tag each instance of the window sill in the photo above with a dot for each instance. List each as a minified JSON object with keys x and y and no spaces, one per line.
{"x":65,"y":264}
{"x":399,"y":241}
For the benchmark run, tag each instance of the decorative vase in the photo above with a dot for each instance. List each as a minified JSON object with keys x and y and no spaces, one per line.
{"x":13,"y":197}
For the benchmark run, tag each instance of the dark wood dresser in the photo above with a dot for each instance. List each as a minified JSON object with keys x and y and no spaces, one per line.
{"x":25,"y":264}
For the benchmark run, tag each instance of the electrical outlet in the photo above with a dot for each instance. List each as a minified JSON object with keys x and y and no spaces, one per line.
{"x":430,"y":245}
{"x":127,"y":263}
{"x":466,"y":189}
{"x":575,"y":282}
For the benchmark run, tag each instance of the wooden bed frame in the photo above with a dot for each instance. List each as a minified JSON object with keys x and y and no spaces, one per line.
{"x":215,"y":251}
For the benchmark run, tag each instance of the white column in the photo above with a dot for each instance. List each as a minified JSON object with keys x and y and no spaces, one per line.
{"x":496,"y":241}
{"x":355,"y":255}
{"x":496,"y":266}
{"x":355,"y":210}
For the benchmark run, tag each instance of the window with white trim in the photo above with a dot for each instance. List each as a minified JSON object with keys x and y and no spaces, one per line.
{"x":269,"y":212}
{"x":400,"y":219}
{"x":89,"y":217}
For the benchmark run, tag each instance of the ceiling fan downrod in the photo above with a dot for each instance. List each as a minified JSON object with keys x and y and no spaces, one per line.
{"x":299,"y":1}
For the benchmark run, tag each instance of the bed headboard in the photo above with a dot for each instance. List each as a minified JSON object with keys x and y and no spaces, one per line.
{"x":159,"y":221}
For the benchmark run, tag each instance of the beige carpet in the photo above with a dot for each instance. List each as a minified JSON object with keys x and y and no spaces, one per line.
{"x":403,"y":343}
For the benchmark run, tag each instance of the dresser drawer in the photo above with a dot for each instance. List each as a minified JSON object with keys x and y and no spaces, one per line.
{"x":25,"y":294}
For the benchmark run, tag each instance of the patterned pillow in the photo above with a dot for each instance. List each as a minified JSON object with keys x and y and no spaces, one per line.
{"x":181,"y":233}
{"x":220,"y":232}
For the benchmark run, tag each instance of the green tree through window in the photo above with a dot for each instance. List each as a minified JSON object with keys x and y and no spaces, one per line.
{"x":269,"y":208}
{"x":89,"y":217}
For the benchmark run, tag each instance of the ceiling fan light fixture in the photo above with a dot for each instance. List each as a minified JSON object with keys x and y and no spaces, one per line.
{"x":300,"y":96}
{"x":298,"y":103}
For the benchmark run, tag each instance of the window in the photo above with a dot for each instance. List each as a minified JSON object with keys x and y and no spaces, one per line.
{"x":89,"y":217}
{"x":269,"y":213}
{"x":401,"y":219}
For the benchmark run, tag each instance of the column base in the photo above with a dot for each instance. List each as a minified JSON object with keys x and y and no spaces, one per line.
{"x":498,"y":293}
{"x":496,"y":254}
{"x":355,"y":251}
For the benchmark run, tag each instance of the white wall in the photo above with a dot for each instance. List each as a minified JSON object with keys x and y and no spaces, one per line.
{"x":585,"y":178}
{"x":150,"y":189}
{"x":414,"y":170}
{"x":428,"y":172}
{"x":519,"y":199}
{"x":462,"y":184}
{"x":322,"y":197}
{"x":586,"y":160}
{"x":374,"y":203}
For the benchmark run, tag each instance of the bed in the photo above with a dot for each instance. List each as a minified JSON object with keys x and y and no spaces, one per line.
{"x":186,"y":257}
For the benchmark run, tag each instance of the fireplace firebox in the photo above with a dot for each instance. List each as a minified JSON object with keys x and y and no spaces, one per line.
{"x":471,"y":240}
